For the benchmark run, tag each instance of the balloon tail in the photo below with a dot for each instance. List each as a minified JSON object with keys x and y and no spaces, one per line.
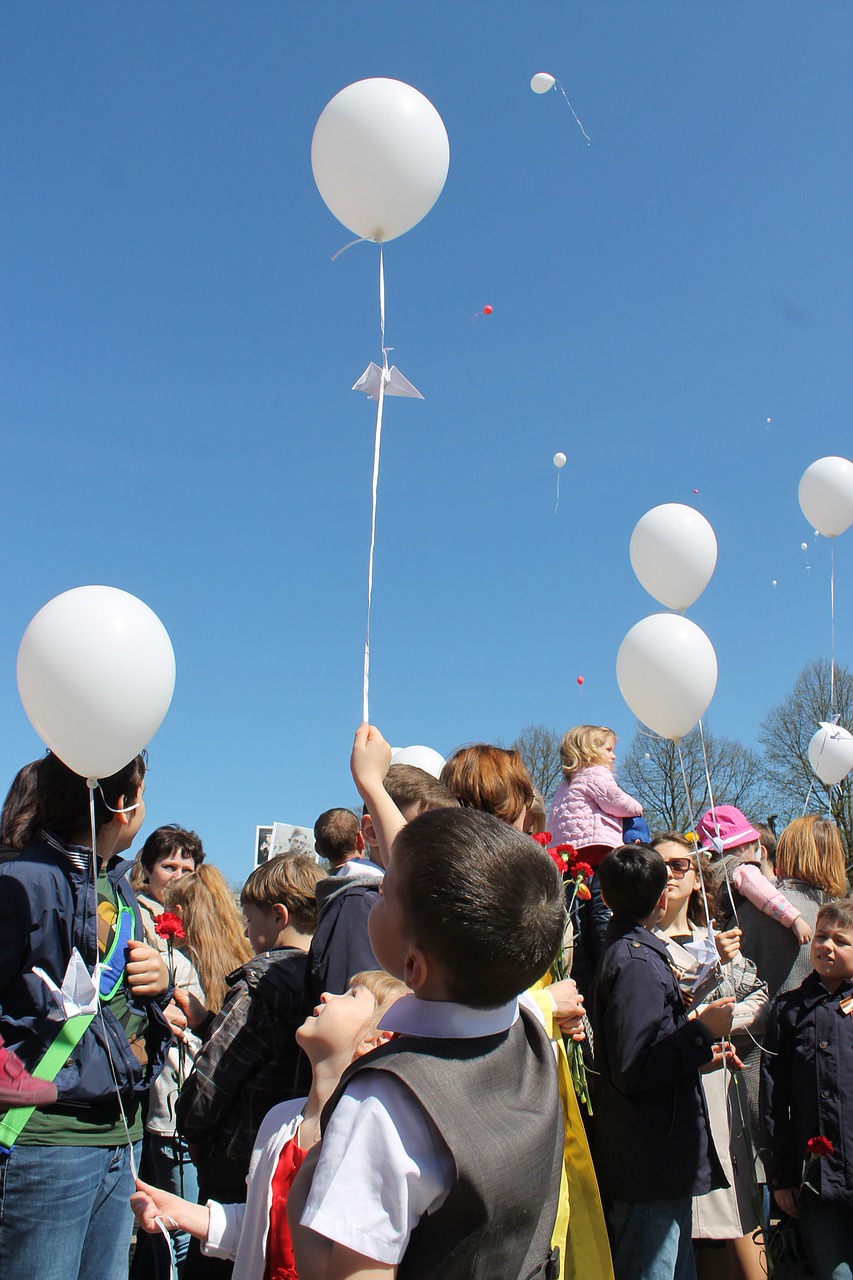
{"x":376,"y":444}
{"x":832,"y":628}
{"x":558,"y":492}
{"x":358,"y":240}
{"x":574,"y":113}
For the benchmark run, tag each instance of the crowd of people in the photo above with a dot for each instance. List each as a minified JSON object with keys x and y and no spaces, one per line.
{"x":441,"y":1048}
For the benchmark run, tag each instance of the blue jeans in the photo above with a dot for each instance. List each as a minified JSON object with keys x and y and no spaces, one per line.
{"x":65,"y":1211}
{"x":162,"y":1168}
{"x":650,"y":1239}
{"x":827,"y":1235}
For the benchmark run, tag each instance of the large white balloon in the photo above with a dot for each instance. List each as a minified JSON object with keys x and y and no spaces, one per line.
{"x":96,"y":673}
{"x":826,"y":495}
{"x":667,"y":671}
{"x":674,"y":553}
{"x":831,"y":753}
{"x":542,"y":82}
{"x":426,"y":758}
{"x":380,"y":157}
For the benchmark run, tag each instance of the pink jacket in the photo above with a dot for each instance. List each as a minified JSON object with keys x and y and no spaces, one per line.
{"x":590,"y":809}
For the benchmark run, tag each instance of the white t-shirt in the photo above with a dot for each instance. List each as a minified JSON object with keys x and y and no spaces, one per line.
{"x":383,"y":1163}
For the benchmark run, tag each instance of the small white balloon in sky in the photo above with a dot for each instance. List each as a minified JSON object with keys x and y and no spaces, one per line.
{"x":542,"y":82}
{"x":804,"y":546}
{"x":775,"y":584}
{"x":559,"y":460}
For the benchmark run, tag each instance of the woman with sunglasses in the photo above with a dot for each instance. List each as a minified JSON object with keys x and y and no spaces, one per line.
{"x":726,"y":1215}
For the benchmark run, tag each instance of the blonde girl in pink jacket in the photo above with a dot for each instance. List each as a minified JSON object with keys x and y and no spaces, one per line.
{"x":587,"y":812}
{"x":588,"y":807}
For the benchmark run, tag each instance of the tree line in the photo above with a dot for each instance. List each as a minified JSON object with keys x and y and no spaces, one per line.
{"x":772,"y":785}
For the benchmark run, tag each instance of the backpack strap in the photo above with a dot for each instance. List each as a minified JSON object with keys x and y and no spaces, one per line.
{"x":54,"y":1059}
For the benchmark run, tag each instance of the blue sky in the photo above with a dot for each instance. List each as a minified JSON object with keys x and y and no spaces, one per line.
{"x":178,"y":351}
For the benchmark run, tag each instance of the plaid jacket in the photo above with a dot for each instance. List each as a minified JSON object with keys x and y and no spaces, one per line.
{"x":250,"y":1060}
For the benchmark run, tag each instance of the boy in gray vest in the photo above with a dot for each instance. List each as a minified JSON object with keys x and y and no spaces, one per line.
{"x":441,"y":1150}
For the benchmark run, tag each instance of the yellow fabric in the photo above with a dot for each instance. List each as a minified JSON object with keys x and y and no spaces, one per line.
{"x":580,"y":1229}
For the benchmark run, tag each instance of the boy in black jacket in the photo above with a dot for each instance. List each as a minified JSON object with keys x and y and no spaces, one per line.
{"x":806,"y":1091}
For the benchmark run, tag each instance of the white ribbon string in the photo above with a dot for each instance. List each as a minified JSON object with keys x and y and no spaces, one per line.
{"x":716,"y":824}
{"x":376,"y":445}
{"x":832,"y":626}
{"x":558,"y":492}
{"x":574,"y":113}
{"x":695,"y":849}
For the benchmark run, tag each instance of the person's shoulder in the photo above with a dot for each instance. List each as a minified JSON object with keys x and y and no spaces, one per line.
{"x":39,"y":862}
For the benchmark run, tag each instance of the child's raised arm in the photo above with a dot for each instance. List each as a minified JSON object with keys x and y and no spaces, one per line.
{"x":369,"y":762}
{"x":760,"y":892}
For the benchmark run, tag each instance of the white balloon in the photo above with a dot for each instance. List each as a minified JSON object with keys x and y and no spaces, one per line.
{"x":674,"y":553}
{"x":831,"y":753}
{"x":380,"y":157}
{"x":667,"y":672}
{"x":425,"y":758}
{"x":96,"y":673}
{"x":559,"y":460}
{"x":542,"y":82}
{"x":826,"y":495}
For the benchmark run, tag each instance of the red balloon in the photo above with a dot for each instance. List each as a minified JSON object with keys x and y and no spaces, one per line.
{"x":487,"y":311}
{"x":580,"y":679}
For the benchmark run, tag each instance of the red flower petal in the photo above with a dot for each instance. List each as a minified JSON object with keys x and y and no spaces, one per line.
{"x":819,"y":1147}
{"x":168,"y":925}
{"x":542,"y":837}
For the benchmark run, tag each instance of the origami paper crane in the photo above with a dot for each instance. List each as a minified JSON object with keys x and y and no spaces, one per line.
{"x":395,"y":383}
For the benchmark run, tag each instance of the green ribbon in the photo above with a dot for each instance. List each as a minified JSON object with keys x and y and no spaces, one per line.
{"x":55,"y":1057}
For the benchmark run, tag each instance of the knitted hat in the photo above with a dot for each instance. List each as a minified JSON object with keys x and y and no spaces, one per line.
{"x":724,"y":828}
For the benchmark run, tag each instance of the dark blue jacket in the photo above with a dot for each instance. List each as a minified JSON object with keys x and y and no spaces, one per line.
{"x":48,"y":907}
{"x":651,"y":1137}
{"x":807,"y":1089}
{"x":341,"y":946}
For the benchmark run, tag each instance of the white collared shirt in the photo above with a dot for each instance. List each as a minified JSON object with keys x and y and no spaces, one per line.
{"x":383,"y":1164}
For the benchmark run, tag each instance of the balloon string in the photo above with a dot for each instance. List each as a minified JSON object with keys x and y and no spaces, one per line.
{"x":832,"y":627}
{"x":716,"y":824}
{"x":558,"y":492}
{"x":376,"y":443}
{"x":358,"y":240}
{"x":574,"y":113}
{"x":693,"y":829}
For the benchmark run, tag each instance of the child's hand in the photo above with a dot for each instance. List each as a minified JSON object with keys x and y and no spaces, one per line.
{"x":371,"y":756}
{"x":728,"y":944}
{"x":786,"y":1198}
{"x":147,"y":975}
{"x":150,"y":1203}
{"x":192,"y":1009}
{"x":802,"y":932}
{"x":176,"y":1019}
{"x":568,"y":1008}
{"x":724,"y":1056}
{"x":717,"y":1017}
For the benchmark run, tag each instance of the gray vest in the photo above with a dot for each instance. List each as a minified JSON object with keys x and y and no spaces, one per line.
{"x":496,"y":1103}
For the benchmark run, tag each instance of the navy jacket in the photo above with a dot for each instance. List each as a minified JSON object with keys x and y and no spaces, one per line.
{"x":652,"y":1139}
{"x":48,"y":907}
{"x":341,"y":946}
{"x":807,"y":1089}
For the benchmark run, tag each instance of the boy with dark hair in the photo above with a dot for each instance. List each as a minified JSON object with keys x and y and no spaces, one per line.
{"x":65,"y":1170}
{"x":806,"y":1085}
{"x":652,"y":1141}
{"x":250,"y":1061}
{"x":338,"y":839}
{"x":341,"y":946}
{"x":422,"y":1166}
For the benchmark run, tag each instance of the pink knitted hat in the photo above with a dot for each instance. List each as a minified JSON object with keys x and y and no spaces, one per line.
{"x":724,"y":828}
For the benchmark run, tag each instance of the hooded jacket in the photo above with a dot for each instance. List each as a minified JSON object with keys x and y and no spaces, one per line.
{"x":341,"y":945}
{"x":589,"y":809}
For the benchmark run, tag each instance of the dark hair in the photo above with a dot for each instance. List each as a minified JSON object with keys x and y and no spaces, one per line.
{"x":62,"y":797}
{"x":632,"y":879}
{"x":18,"y":827}
{"x":838,"y":913}
{"x":291,"y":879}
{"x":768,"y":842}
{"x":483,"y":899}
{"x":335,"y":834}
{"x":492,"y":779}
{"x":169,"y":840}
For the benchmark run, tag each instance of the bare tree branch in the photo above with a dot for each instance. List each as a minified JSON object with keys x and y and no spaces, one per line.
{"x":540,"y":751}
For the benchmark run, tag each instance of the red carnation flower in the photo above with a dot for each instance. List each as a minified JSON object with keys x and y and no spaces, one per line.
{"x":567,"y":850}
{"x":582,"y":869}
{"x":558,"y":860}
{"x":169,"y":926}
{"x":819,"y":1147}
{"x":542,"y":837}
